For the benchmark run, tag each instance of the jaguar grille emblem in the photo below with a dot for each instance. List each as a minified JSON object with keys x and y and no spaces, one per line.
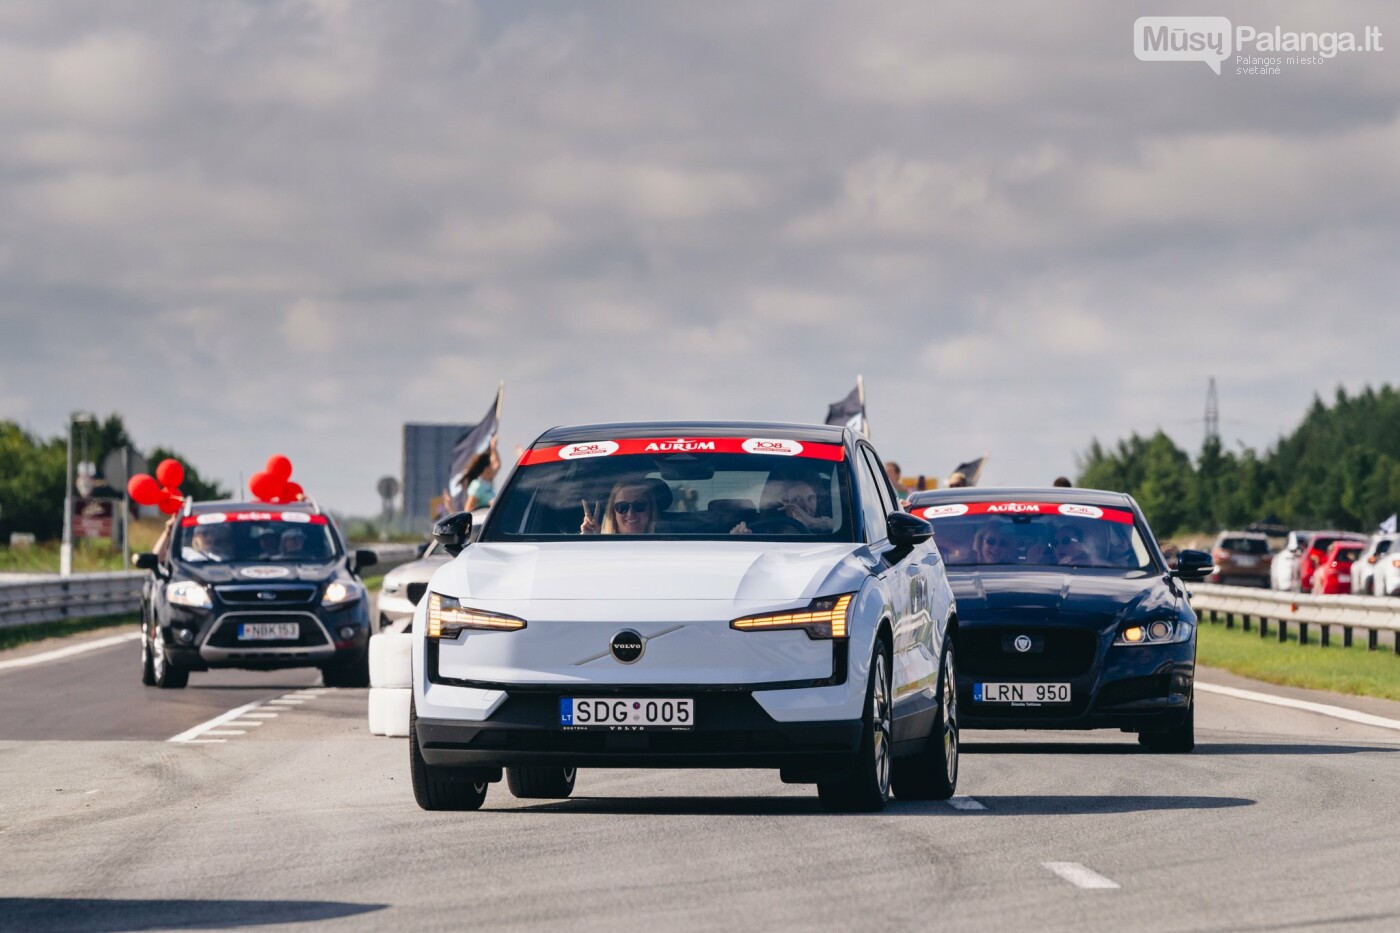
{"x":627,"y":646}
{"x":1022,"y":643}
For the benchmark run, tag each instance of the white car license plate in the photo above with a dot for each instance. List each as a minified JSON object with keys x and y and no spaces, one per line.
{"x":1022,"y":694}
{"x":268,"y":631}
{"x":621,"y":714}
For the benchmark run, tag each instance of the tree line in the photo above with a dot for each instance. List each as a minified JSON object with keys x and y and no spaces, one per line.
{"x":33,"y":471}
{"x":1339,"y":469}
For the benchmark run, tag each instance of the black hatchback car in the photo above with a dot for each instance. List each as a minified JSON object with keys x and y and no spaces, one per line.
{"x":252,"y":585}
{"x":1068,"y":615}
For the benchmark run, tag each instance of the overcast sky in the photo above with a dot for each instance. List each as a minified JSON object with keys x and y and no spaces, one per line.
{"x":258,"y":227}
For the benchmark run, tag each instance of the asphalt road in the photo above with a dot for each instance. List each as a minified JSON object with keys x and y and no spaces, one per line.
{"x":293,"y":817}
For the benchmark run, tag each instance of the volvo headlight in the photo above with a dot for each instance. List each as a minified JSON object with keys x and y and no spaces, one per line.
{"x":824,"y":618}
{"x":338,"y":592}
{"x":448,"y":618}
{"x":188,"y":593}
{"x":1155,"y":632}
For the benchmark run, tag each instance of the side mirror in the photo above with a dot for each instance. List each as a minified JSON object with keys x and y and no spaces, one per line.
{"x":422,"y":547}
{"x":907,"y":530}
{"x":1194,"y":565}
{"x":145,"y":561}
{"x":453,"y":532}
{"x":365,"y":558}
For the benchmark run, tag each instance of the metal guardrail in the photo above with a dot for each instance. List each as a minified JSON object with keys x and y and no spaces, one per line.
{"x":81,"y":596}
{"x":52,"y":598}
{"x":1371,"y":614}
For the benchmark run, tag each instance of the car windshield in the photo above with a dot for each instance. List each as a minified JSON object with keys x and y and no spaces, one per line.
{"x":715,"y":488}
{"x":1037,"y":535}
{"x":1245,"y":545}
{"x":241,"y":537}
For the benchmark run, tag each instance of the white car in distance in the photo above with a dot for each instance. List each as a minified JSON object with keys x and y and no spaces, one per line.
{"x":684,"y":595}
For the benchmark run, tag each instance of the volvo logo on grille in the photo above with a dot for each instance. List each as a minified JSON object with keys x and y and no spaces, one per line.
{"x":1022,"y":643}
{"x":266,"y":595}
{"x":627,"y":646}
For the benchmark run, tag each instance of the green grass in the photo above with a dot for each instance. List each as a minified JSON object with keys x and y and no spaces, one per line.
{"x":373,"y":583}
{"x":16,"y":635}
{"x":1351,"y":670}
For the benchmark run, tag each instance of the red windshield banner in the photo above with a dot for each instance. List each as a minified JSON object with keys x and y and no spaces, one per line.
{"x":766,"y":446}
{"x":1050,"y":509}
{"x":218,"y":518}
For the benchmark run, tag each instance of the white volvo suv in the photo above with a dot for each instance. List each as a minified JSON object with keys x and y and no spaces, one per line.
{"x":688,"y":595}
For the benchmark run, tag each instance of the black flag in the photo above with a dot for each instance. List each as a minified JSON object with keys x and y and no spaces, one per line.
{"x":971,"y":470}
{"x":850,"y":411}
{"x":474,"y":442}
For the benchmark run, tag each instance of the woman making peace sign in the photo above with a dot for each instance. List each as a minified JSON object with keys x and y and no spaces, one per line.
{"x":630,"y":510}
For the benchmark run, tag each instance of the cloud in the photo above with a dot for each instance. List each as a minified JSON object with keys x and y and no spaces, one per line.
{"x":298,"y":225}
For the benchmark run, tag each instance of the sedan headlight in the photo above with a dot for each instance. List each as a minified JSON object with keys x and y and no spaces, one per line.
{"x":188,"y":593}
{"x":337,"y":593}
{"x":448,"y":618}
{"x":1154,"y":632}
{"x":824,"y":618}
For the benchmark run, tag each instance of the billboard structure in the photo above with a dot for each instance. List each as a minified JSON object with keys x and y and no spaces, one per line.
{"x":427,"y":460}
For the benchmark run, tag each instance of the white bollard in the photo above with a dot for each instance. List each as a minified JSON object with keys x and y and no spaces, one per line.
{"x":390,"y":683}
{"x":391,"y":660}
{"x":388,"y":710}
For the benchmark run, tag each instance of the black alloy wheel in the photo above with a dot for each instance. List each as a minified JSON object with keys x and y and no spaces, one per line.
{"x":1178,"y":740}
{"x":866,"y":786}
{"x":437,"y":788}
{"x":541,"y":782}
{"x":932,"y":774}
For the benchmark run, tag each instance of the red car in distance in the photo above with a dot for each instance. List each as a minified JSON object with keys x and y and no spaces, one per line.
{"x":1316,"y":555}
{"x":1333,"y":575}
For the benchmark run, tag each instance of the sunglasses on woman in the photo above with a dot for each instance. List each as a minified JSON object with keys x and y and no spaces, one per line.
{"x":622,"y":507}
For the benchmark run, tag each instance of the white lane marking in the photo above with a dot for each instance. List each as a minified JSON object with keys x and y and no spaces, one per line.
{"x":226,"y":732}
{"x":1336,"y":712}
{"x":246,"y":722}
{"x":203,"y":741}
{"x":58,"y":654}
{"x":1079,"y":876}
{"x":966,"y":803}
{"x":290,"y":701}
{"x":193,"y":734}
{"x":261,"y":715}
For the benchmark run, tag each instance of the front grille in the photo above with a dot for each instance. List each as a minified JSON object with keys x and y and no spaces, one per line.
{"x":1055,"y":652}
{"x":266,"y":596}
{"x":1130,"y":689}
{"x":310,"y":634}
{"x":416,"y":591}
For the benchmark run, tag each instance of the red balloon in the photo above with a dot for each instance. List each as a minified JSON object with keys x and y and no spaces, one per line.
{"x":143,"y":489}
{"x":169,"y":504}
{"x":280,"y":467}
{"x":170,"y":473}
{"x":292,"y":492}
{"x":264,"y":486}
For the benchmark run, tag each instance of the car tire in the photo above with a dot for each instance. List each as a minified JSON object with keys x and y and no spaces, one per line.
{"x":932,"y":773}
{"x":441,"y":788}
{"x":164,"y":674}
{"x":541,"y":782}
{"x":148,"y":672}
{"x":1178,"y":740}
{"x":352,"y":673}
{"x":866,"y":786}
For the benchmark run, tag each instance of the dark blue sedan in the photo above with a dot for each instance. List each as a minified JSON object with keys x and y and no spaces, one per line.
{"x":1068,"y":616}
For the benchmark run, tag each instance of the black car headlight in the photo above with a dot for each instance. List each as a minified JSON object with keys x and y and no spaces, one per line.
{"x":1155,"y":632}
{"x":448,"y":618}
{"x":338,"y":594}
{"x":188,"y":593}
